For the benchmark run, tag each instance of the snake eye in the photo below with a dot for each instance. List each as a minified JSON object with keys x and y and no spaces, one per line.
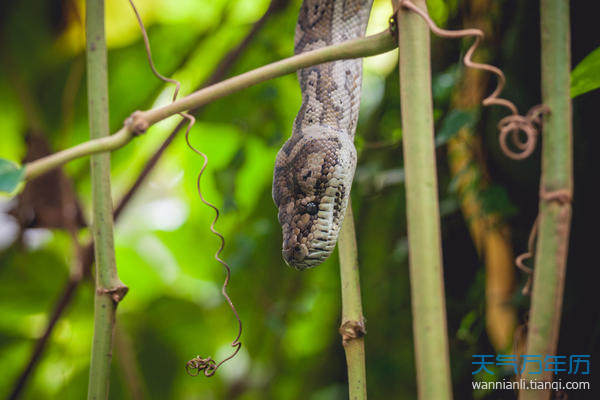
{"x":312,"y":208}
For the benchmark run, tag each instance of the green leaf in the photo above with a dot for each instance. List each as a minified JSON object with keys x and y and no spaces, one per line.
{"x":454,"y":121}
{"x":586,"y":75}
{"x":10,"y":176}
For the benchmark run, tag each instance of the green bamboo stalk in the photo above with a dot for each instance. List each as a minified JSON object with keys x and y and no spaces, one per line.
{"x":352,"y":327}
{"x":362,"y":47}
{"x":555,"y":190}
{"x":423,"y":216}
{"x":109,"y":289}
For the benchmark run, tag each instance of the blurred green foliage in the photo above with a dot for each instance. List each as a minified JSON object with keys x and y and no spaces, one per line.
{"x":164,"y":249}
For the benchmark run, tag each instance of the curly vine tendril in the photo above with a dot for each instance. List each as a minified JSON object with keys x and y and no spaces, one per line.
{"x":198,"y":364}
{"x":512,"y":125}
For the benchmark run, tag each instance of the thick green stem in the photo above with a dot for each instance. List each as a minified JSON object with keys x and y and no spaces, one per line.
{"x":555,"y":190}
{"x":109,"y":289}
{"x":352,"y":328}
{"x":425,"y":255}
{"x":357,"y":48}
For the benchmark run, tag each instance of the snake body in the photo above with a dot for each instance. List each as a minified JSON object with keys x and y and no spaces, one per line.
{"x":315,"y":167}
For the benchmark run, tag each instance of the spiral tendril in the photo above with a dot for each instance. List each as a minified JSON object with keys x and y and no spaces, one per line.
{"x":195,"y":366}
{"x":512,"y":125}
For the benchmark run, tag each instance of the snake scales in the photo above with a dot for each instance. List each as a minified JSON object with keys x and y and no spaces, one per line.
{"x":315,"y":167}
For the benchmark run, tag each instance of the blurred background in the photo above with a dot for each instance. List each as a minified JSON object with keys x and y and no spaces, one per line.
{"x":164,"y":249}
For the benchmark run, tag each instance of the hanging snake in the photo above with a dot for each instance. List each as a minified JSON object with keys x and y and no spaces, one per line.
{"x":315,"y":166}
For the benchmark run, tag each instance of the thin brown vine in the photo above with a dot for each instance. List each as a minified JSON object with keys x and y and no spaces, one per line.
{"x":198,"y":364}
{"x":510,"y":125}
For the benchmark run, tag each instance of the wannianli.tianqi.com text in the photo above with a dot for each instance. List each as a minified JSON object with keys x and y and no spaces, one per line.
{"x":530,"y":384}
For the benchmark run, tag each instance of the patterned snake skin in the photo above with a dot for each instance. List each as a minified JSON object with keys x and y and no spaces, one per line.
{"x":314,"y":168}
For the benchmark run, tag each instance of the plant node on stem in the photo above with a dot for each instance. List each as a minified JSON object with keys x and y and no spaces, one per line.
{"x":351,"y":330}
{"x":136,"y":123}
{"x":116,"y":294}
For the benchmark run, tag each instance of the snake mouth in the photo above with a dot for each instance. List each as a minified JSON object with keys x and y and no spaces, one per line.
{"x":300,"y":258}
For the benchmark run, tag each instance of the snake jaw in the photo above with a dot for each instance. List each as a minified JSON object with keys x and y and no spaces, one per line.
{"x":302,"y":250}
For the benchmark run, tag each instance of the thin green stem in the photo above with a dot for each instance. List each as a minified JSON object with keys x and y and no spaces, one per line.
{"x":422,"y":208}
{"x":363,"y":47}
{"x":352,"y":328}
{"x":95,"y":146}
{"x":555,"y":189}
{"x":109,"y":289}
{"x":357,"y":48}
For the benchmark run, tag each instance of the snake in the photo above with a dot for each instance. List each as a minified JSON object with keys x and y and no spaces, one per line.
{"x":315,"y":167}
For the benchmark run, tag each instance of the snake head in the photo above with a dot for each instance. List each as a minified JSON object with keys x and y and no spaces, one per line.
{"x":311,"y":186}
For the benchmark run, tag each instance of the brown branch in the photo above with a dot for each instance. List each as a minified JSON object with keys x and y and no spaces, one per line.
{"x":62,"y":303}
{"x":132,"y":376}
{"x":87,"y":254}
